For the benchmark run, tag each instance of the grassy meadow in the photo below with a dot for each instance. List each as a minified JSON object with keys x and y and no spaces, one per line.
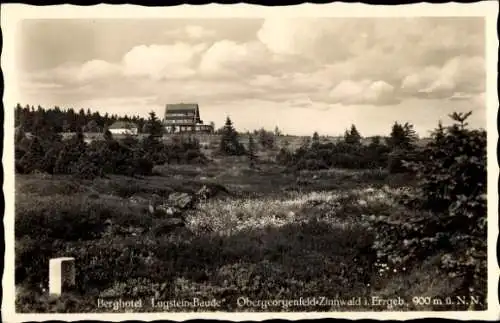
{"x":274,"y":235}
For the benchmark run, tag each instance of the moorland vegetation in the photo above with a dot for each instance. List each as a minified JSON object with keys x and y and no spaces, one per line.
{"x":335,"y":219}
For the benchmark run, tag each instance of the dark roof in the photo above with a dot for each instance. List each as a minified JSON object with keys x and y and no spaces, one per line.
{"x":181,"y":107}
{"x":122,"y":125}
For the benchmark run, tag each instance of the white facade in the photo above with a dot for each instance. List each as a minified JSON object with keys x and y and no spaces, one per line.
{"x":124,"y":131}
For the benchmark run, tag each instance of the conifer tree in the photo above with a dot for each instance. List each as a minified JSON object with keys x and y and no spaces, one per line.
{"x":410,"y":133}
{"x":452,"y":184}
{"x":439,"y":133}
{"x":229,"y":143}
{"x":108,"y":136}
{"x":33,"y":158}
{"x":153,"y":125}
{"x":18,"y":115}
{"x":352,"y":136}
{"x":92,"y":126}
{"x":19,"y":134}
{"x":151,"y":146}
{"x":315,"y":140}
{"x":66,"y":126}
{"x":402,"y":144}
{"x":70,"y":154}
{"x":377,"y":153}
{"x":376,"y":141}
{"x":266,"y":138}
{"x":402,"y":136}
{"x":252,"y":157}
{"x":460,"y":118}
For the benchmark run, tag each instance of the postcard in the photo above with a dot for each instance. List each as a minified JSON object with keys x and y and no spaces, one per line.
{"x":200,"y":162}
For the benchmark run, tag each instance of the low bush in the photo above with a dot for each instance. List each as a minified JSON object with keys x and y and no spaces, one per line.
{"x":56,"y":185}
{"x":396,"y":162}
{"x":340,"y":155}
{"x":58,"y":217}
{"x":181,"y":150}
{"x":144,"y":166}
{"x":45,"y":225}
{"x":75,"y":157}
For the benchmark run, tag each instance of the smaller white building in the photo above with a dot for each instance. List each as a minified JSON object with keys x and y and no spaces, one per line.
{"x":123,"y":128}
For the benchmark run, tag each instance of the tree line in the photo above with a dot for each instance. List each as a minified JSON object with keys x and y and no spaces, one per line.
{"x":314,"y":154}
{"x":351,"y":152}
{"x":34,"y":120}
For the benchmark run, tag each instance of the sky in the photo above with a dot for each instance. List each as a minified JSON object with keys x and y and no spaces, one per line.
{"x":300,"y":74}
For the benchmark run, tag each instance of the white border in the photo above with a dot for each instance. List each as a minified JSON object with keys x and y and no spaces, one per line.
{"x":13,"y":13}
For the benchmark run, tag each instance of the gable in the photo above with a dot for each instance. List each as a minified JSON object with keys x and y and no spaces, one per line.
{"x":181,"y":107}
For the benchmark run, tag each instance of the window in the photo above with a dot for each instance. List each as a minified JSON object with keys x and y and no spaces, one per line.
{"x":184,"y":114}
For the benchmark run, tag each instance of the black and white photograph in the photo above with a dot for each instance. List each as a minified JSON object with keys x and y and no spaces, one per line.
{"x":295,"y":163}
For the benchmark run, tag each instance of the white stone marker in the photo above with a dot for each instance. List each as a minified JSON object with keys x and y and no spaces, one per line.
{"x":61,"y":274}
